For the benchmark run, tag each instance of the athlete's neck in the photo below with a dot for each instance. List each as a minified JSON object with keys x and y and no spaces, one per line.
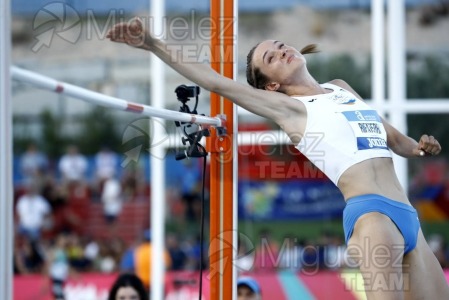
{"x":309,"y":89}
{"x":304,"y":85}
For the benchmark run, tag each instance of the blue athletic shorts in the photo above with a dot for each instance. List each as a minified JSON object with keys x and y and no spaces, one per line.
{"x":404,"y":216}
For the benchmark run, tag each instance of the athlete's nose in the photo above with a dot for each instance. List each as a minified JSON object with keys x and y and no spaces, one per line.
{"x":283,"y":53}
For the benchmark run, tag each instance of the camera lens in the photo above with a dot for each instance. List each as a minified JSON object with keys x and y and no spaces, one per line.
{"x":184,"y":92}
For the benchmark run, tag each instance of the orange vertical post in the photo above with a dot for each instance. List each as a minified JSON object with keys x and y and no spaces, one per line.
{"x":221,"y":162}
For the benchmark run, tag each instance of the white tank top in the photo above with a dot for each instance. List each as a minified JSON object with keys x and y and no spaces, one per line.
{"x":341,"y":131}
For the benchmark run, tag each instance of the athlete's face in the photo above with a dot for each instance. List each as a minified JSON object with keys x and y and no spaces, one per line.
{"x":278,"y":61}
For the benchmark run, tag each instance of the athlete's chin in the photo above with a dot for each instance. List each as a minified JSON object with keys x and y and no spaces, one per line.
{"x":297,"y":63}
{"x":298,"y":66}
{"x":299,"y":59}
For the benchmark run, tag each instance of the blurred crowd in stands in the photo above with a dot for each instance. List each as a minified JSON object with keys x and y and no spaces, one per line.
{"x":48,"y":239}
{"x":51,"y":222}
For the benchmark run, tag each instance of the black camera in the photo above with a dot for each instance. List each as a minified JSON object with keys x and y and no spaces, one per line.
{"x":192,"y":138}
{"x":184,"y":92}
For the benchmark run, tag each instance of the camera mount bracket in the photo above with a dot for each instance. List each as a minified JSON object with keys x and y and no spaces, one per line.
{"x":192,"y":140}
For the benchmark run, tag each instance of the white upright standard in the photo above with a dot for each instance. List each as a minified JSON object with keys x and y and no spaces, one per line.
{"x":6,"y":194}
{"x":157,"y":161}
{"x":396,"y":78}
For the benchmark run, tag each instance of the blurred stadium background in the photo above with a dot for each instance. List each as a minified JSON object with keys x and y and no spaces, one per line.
{"x":66,"y":150}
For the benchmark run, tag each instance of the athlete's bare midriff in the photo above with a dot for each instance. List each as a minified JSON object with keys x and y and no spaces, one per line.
{"x":372,"y":176}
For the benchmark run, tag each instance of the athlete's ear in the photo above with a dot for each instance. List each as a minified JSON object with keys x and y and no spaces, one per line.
{"x":272,"y":86}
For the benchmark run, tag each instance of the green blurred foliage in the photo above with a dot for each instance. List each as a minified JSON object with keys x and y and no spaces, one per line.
{"x":98,"y":129}
{"x":26,"y":138}
{"x":345,"y":67}
{"x":53,"y":142}
{"x":430,"y":79}
{"x":431,"y":124}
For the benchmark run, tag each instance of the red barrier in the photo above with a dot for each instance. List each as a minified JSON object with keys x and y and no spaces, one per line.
{"x":181,"y":285}
{"x":95,"y":286}
{"x":89,"y":286}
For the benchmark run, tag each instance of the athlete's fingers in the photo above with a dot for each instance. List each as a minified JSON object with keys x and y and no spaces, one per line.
{"x":136,"y":26}
{"x":131,"y":32}
{"x":423,"y":141}
{"x":435,"y":147}
{"x":428,"y":145}
{"x":118,"y":32}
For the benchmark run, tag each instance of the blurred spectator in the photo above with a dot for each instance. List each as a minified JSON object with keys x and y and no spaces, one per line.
{"x":54,"y":193}
{"x":266,"y":252}
{"x":245,"y":256}
{"x":112,"y":200}
{"x":290,"y":254}
{"x":430,"y":176}
{"x":106,"y":162}
{"x":177,"y":255}
{"x":133,"y":182}
{"x":91,"y":252}
{"x":75,"y":253}
{"x":58,"y":267}
{"x":248,"y":289}
{"x":73,"y":166}
{"x":436,"y":244}
{"x":192,"y":202}
{"x":128,"y":287}
{"x":142,"y":260}
{"x":33,"y":164}
{"x":33,"y":212}
{"x":127,"y":263}
{"x":335,"y":255}
{"x":28,"y":256}
{"x":106,"y":260}
{"x":310,"y":257}
{"x":118,"y":247}
{"x":192,"y":247}
{"x":189,"y":179}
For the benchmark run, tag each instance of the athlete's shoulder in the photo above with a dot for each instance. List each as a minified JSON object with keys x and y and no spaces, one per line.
{"x":340,"y":83}
{"x":345,"y":86}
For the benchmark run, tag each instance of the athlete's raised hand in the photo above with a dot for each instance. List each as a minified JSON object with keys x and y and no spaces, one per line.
{"x":131,"y":33}
{"x":427,"y":145}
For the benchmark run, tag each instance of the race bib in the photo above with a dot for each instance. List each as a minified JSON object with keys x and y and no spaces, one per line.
{"x":368,"y":129}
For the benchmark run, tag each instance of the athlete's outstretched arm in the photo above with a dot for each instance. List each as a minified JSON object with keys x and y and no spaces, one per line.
{"x":405,"y":146}
{"x":272,"y":105}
